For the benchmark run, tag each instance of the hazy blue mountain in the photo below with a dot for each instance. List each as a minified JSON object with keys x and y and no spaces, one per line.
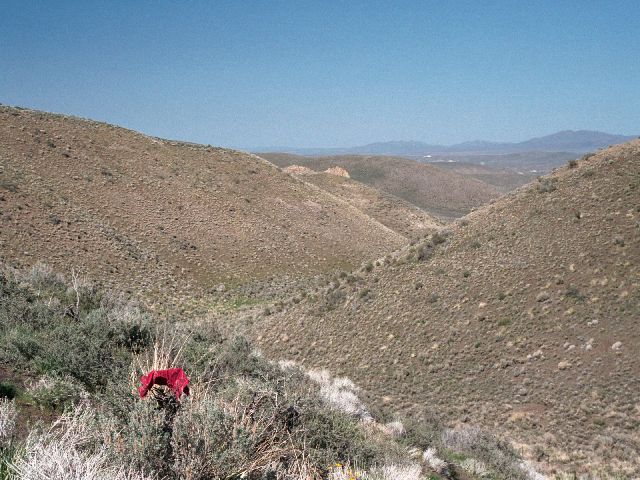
{"x":579,"y":141}
{"x":574,"y":141}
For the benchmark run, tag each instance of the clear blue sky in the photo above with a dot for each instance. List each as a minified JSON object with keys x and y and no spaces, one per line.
{"x":328,"y":73}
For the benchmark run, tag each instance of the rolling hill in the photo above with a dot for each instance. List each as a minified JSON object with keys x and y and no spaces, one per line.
{"x":444,"y":194}
{"x":161,"y":217}
{"x":389,"y":210}
{"x":523,"y":317}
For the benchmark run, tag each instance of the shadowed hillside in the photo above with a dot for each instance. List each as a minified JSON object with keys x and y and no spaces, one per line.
{"x":523,"y":318}
{"x":438,"y":192}
{"x":163,"y":217}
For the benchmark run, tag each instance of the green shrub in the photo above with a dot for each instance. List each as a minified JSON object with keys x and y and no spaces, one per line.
{"x":47,"y":327}
{"x":481,"y":445}
{"x":422,"y":431}
{"x":56,"y":393}
{"x":8,"y":390}
{"x":333,"y":437}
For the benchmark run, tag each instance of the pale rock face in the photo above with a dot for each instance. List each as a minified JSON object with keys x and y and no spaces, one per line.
{"x":298,"y":170}
{"x":339,"y":171}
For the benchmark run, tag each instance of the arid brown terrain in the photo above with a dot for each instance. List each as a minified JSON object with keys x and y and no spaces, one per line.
{"x":523,"y":317}
{"x":438,"y":192}
{"x":393,"y":212}
{"x":165,"y":218}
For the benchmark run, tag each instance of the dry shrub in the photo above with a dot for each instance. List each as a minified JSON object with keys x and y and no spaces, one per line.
{"x":67,"y":451}
{"x":8,"y":416}
{"x":437,"y":464}
{"x":246,"y":429}
{"x":394,"y":429}
{"x":395,"y":472}
{"x":494,"y":453}
{"x":339,"y":392}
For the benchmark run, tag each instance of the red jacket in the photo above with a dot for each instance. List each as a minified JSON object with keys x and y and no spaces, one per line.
{"x":174,"y":378}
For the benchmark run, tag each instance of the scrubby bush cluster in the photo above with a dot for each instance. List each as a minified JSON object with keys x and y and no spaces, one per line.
{"x":48,"y":327}
{"x":69,"y":450}
{"x":425,"y":249}
{"x":77,"y":354}
{"x":466,"y":448}
{"x":76,"y":350}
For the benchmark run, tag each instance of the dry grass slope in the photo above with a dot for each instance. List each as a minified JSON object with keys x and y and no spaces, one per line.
{"x":391,"y":211}
{"x":436,"y":191}
{"x":525,"y":320}
{"x":164,"y":217}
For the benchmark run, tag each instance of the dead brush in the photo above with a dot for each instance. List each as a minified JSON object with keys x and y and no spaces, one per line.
{"x":166,"y":352}
{"x":68,"y":450}
{"x":252,"y":433}
{"x":8,"y":417}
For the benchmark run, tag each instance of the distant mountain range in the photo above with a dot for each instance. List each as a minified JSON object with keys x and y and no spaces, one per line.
{"x":577,"y":141}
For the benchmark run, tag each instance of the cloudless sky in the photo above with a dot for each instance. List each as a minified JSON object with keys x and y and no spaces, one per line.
{"x":328,"y":73}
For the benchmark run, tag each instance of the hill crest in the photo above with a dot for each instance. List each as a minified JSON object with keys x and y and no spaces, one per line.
{"x":164,"y":216}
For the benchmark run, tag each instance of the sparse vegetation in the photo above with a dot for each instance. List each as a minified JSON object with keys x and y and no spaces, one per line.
{"x":519,"y":321}
{"x":530,"y":308}
{"x":546,"y":184}
{"x":435,"y":190}
{"x":246,"y":416}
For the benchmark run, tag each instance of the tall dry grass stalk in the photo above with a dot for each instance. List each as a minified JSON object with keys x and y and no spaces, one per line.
{"x":166,"y":353}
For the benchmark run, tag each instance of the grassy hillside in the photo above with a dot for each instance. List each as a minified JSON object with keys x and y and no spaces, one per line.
{"x":438,"y":192}
{"x":391,"y":211}
{"x":70,"y":361}
{"x":165,"y":218}
{"x":524,"y":319}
